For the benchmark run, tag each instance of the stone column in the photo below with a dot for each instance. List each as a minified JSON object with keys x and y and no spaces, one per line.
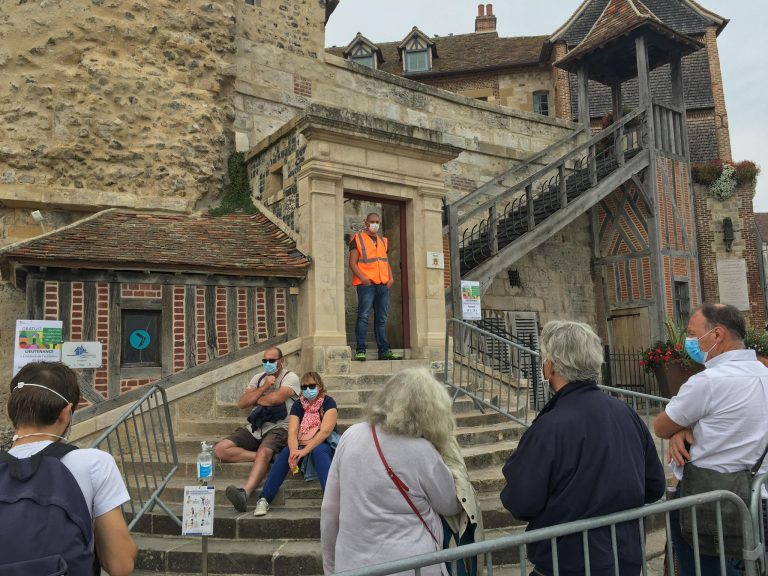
{"x":321,"y":299}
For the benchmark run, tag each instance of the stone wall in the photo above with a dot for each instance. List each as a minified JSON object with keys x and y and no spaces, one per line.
{"x":516,"y":90}
{"x":556,"y":279}
{"x":114,"y":100}
{"x":12,"y":307}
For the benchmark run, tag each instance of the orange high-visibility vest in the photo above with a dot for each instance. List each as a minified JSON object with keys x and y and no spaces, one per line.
{"x":372,"y":259}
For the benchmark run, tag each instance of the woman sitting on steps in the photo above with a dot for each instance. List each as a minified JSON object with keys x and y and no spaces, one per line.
{"x":312,"y":423}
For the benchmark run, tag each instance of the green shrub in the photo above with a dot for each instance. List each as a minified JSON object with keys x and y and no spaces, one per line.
{"x":237,"y":194}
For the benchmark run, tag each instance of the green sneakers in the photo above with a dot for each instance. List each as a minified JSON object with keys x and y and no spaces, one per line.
{"x":390,"y":356}
{"x":359,"y":357}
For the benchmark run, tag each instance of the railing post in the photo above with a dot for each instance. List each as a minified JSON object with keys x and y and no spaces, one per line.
{"x":593,"y":166}
{"x":453,"y":246}
{"x":563,"y":185}
{"x":607,"y":360}
{"x":493,"y":238}
{"x":529,"y":205}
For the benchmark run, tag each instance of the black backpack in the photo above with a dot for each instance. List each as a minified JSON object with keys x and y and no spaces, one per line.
{"x":46,"y":528}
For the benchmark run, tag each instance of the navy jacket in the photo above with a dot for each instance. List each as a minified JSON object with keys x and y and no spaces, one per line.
{"x":586,"y":454}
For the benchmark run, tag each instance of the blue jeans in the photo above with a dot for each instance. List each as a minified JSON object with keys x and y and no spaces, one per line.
{"x":710,"y":565}
{"x":321,"y":457}
{"x":376,"y":297}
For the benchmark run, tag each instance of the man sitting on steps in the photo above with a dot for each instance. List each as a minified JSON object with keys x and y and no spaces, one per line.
{"x":275,"y":389}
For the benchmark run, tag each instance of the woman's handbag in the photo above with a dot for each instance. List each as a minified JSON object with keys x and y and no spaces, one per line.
{"x":699,"y":480}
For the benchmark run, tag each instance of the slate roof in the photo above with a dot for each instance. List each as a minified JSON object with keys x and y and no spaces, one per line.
{"x":761,"y":221}
{"x":242,"y":245}
{"x":618,"y":19}
{"x":683,"y":16}
{"x":464,"y":53}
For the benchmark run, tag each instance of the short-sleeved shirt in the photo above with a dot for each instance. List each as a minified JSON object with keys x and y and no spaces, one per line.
{"x":328,"y":404}
{"x":95,"y":472}
{"x":287,"y":378}
{"x":727,"y":407}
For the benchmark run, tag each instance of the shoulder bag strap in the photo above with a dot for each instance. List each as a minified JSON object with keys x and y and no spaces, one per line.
{"x":756,"y":467}
{"x":401,"y":486}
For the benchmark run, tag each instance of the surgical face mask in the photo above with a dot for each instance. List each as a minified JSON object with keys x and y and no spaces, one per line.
{"x":373,"y":227}
{"x":694,"y":350}
{"x":269,"y":367}
{"x":310,"y":393}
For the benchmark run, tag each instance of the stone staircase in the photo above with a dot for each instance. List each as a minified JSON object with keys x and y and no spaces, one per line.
{"x":286,"y":541}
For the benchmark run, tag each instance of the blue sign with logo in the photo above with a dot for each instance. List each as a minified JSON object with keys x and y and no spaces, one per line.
{"x":139,"y":339}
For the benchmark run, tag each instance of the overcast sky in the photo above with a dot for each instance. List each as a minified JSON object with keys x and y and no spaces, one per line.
{"x":744,"y":64}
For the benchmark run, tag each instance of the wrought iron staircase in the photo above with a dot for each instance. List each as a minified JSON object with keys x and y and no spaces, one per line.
{"x":492,"y":235}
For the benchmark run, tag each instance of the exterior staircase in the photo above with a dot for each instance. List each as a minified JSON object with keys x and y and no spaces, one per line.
{"x":495,"y":226}
{"x":287,"y":540}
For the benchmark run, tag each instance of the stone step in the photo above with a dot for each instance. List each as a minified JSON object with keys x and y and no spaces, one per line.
{"x":179,"y":554}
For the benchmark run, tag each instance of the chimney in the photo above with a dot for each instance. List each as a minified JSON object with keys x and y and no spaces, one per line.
{"x":485,"y":21}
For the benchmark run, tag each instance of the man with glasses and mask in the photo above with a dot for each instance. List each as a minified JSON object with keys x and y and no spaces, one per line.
{"x":273,"y":387}
{"x":45,"y":521}
{"x":718,"y":418}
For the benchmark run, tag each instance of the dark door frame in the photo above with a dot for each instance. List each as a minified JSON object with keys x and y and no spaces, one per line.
{"x":401,"y":204}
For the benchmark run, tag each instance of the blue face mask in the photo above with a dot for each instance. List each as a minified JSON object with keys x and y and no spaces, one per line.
{"x":310,"y":393}
{"x":269,"y":367}
{"x":694,"y":350}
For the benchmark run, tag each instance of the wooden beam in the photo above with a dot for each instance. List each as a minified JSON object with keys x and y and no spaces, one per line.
{"x":89,"y":326}
{"x":211,"y":341}
{"x":643,"y":72}
{"x":583,"y":80}
{"x":167,"y":332}
{"x":190,"y":327}
{"x":115,"y":341}
{"x":232,"y":335}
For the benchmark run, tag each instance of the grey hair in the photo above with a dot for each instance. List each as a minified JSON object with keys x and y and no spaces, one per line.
{"x":573,"y":348}
{"x":412,"y":403}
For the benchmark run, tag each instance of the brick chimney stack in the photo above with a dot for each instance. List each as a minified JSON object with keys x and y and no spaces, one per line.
{"x":485,"y":21}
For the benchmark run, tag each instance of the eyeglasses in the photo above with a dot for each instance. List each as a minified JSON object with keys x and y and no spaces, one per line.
{"x":269,"y":360}
{"x":310,"y":386}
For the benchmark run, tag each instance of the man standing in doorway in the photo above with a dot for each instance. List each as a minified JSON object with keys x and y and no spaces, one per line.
{"x":372,"y":275}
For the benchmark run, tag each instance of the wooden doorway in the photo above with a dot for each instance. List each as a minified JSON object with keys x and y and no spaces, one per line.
{"x":393,"y":226}
{"x":630,"y":329}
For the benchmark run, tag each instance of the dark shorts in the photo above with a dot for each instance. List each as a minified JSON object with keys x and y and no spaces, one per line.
{"x":276,"y":439}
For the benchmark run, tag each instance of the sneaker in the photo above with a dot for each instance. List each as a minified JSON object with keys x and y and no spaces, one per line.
{"x":262,"y":507}
{"x":238,"y":497}
{"x":359,"y":356}
{"x":390,"y":356}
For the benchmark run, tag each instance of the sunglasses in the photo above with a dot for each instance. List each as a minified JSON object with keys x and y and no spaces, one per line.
{"x":310,"y":386}
{"x":269,"y":360}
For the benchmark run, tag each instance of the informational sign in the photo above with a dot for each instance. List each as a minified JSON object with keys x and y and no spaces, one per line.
{"x":81,"y":354}
{"x":470,"y":300}
{"x":197,"y":514}
{"x":436,"y":260}
{"x":732,"y":282}
{"x":36,"y":341}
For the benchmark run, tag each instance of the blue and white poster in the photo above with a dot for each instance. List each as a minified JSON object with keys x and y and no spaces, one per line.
{"x":81,"y":354}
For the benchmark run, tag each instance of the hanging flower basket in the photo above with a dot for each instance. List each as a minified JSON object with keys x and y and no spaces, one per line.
{"x":672,"y":374}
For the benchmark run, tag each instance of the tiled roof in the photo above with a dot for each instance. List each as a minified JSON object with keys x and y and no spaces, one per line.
{"x":243,"y":245}
{"x":618,"y":19}
{"x":465,"y":53}
{"x":761,"y":221}
{"x":683,"y":16}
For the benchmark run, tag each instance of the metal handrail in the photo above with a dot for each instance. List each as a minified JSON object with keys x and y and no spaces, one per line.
{"x":752,"y":547}
{"x":142,"y":441}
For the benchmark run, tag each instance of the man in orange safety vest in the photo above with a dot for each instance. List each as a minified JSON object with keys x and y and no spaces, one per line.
{"x":372,"y":275}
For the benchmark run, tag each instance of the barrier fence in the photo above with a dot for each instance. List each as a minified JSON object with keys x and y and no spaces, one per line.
{"x":495,"y":372}
{"x":758,"y":509}
{"x":141,"y":442}
{"x":554,"y":535}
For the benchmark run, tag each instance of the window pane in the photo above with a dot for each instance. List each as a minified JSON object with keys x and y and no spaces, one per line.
{"x":140,"y":337}
{"x":363,"y":60}
{"x":682,"y":303}
{"x":416,"y":61}
{"x":541,"y":103}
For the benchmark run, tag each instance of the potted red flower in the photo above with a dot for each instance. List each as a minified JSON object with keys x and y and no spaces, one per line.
{"x":669,"y":361}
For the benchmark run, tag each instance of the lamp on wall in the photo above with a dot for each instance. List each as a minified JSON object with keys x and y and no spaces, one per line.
{"x":728,"y":233}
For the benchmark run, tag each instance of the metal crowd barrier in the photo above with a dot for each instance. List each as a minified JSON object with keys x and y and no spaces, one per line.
{"x":494,"y":372}
{"x":752,"y":547}
{"x":757,"y":509}
{"x":141,"y":442}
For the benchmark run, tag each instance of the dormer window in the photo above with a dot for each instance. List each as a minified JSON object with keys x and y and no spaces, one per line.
{"x":417,"y":52}
{"x":364,"y":52}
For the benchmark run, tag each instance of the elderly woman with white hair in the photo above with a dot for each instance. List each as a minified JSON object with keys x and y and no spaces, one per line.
{"x":389,"y":482}
{"x":585,"y":455}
